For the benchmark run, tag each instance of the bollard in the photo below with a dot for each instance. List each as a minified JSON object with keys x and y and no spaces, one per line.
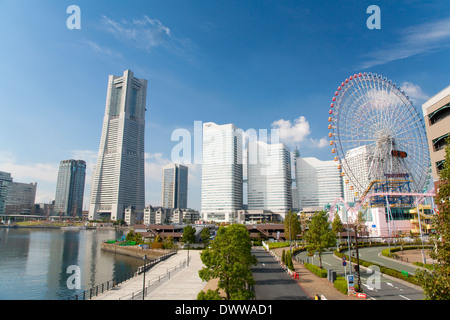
{"x":316,"y":297}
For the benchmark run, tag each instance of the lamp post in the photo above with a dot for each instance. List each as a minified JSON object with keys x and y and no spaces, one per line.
{"x":188,"y":254}
{"x":143,"y":283}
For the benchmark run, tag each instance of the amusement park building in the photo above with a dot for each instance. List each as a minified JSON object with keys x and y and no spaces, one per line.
{"x":436,"y":112}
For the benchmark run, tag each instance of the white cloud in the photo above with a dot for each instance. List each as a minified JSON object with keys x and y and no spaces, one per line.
{"x":148,"y":34}
{"x":412,"y":41}
{"x":145,"y":33}
{"x":101,"y":50}
{"x":414,"y":91}
{"x":323,"y":142}
{"x":292,"y":133}
{"x":35,"y":172}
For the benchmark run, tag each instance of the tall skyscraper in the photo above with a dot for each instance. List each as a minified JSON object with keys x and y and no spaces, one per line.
{"x":269,"y":177}
{"x":318,"y":182}
{"x":221,"y":172}
{"x":174,"y":186}
{"x":70,"y":187}
{"x":118,"y":179}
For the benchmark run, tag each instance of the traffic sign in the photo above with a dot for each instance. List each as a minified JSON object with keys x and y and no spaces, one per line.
{"x":344,"y":263}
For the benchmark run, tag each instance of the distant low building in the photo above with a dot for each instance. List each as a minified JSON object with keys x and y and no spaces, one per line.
{"x":266,"y":231}
{"x":185,"y":216}
{"x":16,"y":197}
{"x":253,"y":216}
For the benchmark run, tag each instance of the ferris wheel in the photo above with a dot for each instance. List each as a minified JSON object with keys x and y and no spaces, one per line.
{"x":377,"y":135}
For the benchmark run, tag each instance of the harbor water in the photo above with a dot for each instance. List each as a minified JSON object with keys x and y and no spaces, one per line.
{"x":36,"y":264}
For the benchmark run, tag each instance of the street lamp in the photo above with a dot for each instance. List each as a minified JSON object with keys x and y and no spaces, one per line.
{"x":188,"y":254}
{"x":143,"y":283}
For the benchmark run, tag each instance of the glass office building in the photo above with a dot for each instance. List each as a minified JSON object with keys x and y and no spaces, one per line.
{"x":174,"y":186}
{"x":269,"y":179}
{"x":222,"y":180}
{"x":318,"y":182}
{"x":70,"y":187}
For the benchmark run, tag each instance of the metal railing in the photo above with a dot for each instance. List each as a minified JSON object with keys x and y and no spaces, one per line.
{"x":108,"y":285}
{"x":152,"y":284}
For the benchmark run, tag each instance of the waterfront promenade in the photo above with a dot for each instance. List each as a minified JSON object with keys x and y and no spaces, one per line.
{"x":178,"y":281}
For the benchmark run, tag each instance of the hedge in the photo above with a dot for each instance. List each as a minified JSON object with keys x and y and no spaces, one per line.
{"x":383,"y":269}
{"x":322,"y":273}
{"x":341,"y":284}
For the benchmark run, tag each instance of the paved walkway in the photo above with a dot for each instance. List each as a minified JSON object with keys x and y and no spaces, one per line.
{"x":182,"y":284}
{"x":313,"y":285}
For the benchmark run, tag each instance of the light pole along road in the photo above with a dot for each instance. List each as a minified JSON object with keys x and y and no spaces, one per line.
{"x":385,"y":288}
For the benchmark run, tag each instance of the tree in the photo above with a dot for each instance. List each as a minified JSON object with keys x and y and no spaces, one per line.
{"x":360,"y":226}
{"x":291,"y":226}
{"x":130,"y":236}
{"x":337,"y":226}
{"x":229,"y":259}
{"x":205,"y":236}
{"x":319,"y":236}
{"x":436,"y":284}
{"x":209,"y":295}
{"x":189,"y":234}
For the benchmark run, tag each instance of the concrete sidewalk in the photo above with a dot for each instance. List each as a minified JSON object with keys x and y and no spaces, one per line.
{"x":182,"y":284}
{"x":312,"y":284}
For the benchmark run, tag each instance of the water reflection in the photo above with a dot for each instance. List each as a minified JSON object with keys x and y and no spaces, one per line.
{"x":34,"y":262}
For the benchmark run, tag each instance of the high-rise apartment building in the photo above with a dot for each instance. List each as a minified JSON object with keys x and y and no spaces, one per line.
{"x":436,"y":112}
{"x":222,"y":180}
{"x":269,"y":181}
{"x":70,"y":187}
{"x":318,"y":182}
{"x":174,"y":186}
{"x":118,"y":179}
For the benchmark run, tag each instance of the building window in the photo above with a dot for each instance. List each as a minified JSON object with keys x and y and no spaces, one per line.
{"x":440,"y":166}
{"x":440,"y":114}
{"x":440,"y":143}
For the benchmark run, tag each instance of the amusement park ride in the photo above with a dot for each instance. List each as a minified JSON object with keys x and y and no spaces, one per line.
{"x":371,"y":117}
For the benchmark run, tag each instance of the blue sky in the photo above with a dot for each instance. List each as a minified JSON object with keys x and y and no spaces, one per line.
{"x":251,"y":63}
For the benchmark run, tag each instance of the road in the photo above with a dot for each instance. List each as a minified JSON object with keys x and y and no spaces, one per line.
{"x":375,"y":286}
{"x":272,"y":282}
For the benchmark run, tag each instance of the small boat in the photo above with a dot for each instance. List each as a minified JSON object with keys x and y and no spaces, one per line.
{"x":11,"y":226}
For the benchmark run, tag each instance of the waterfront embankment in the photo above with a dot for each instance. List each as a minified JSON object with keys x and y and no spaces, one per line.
{"x":135,"y":251}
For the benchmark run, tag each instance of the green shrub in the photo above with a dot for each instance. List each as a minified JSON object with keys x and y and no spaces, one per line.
{"x":341,"y":284}
{"x":322,"y":273}
{"x":385,"y":270}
